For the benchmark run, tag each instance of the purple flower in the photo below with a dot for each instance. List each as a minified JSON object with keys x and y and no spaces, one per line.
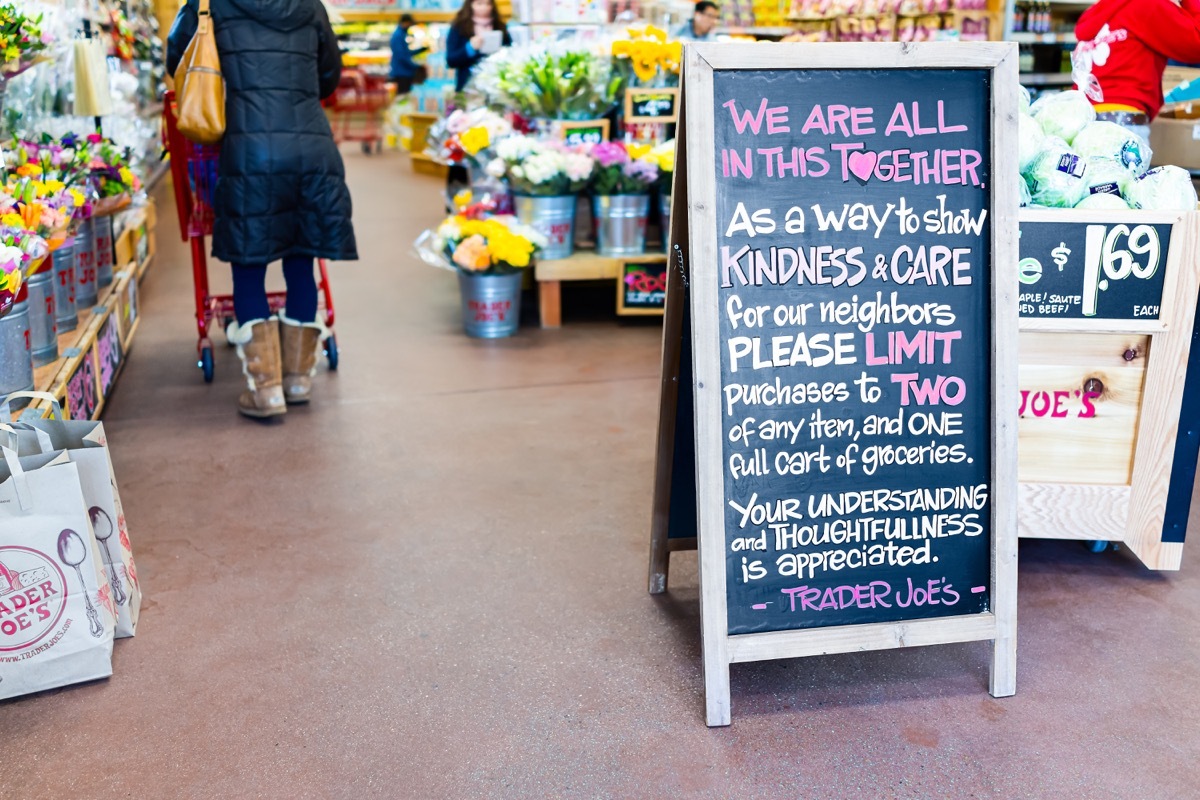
{"x":641,"y":170}
{"x":608,"y":154}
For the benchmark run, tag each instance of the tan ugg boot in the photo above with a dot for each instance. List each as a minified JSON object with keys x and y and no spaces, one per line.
{"x":258,"y":347}
{"x":300,"y":341}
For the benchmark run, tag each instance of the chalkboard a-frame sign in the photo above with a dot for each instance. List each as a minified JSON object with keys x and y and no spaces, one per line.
{"x":840,"y":352}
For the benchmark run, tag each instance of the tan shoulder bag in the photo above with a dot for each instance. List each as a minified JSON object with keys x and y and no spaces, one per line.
{"x":201,"y":89}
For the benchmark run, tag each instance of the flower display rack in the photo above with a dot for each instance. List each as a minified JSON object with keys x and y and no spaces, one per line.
{"x":92,"y":356}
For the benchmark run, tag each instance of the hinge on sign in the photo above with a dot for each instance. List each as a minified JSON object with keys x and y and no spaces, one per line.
{"x":679,"y":265}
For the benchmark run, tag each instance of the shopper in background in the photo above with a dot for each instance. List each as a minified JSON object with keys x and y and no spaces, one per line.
{"x":703,"y":24}
{"x":281,"y":192}
{"x":472,"y":37}
{"x":405,"y":69}
{"x":476,"y":32}
{"x":1123,"y":49}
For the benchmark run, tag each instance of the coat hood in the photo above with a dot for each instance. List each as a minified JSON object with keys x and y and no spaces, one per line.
{"x":1097,"y":17}
{"x":282,"y":15}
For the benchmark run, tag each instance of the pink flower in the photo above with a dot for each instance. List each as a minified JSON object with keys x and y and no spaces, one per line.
{"x":95,"y":138}
{"x":609,"y":154}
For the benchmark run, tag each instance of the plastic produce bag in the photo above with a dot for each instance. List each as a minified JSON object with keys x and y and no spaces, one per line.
{"x":1103,"y":138}
{"x":1064,"y":114}
{"x":1026,"y":196}
{"x":1023,"y":99}
{"x":1056,"y":178}
{"x":1031,"y":141}
{"x":1164,"y":189}
{"x":1103,"y":202}
{"x":1107,"y":176}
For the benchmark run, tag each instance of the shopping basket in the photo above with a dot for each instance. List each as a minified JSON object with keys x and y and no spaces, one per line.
{"x":356,"y":109}
{"x":194,"y":174}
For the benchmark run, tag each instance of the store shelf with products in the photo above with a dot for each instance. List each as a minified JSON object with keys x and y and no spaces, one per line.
{"x":93,"y":354}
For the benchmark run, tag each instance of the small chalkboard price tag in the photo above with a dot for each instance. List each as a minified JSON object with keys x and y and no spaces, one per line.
{"x":583,"y":132}
{"x":642,"y":286}
{"x":852,"y":243}
{"x":651,"y":105}
{"x":1099,"y":267}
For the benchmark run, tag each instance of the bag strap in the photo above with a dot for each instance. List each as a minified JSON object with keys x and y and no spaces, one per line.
{"x":24,"y":497}
{"x":205,"y":18}
{"x":6,"y":404}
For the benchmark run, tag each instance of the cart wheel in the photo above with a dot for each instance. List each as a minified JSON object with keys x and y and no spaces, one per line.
{"x":1097,"y":547}
{"x":206,"y":364}
{"x":331,"y":352}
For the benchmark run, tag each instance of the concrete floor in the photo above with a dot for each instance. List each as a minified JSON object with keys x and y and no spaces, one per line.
{"x":431,"y":584}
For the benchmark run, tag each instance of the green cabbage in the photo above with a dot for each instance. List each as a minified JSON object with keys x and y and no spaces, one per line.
{"x":1164,"y":189}
{"x":1056,"y":177}
{"x":1063,"y":114}
{"x":1103,"y":202}
{"x":1107,"y":176}
{"x":1030,"y":141}
{"x":1102,"y":138}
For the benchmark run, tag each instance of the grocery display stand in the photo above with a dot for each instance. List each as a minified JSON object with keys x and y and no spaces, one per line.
{"x":92,"y":356}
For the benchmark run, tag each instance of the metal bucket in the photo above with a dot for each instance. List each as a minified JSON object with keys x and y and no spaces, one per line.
{"x":664,"y":212}
{"x":86,"y":290}
{"x":491,"y":304}
{"x":621,"y":223}
{"x":102,"y":229}
{"x":16,"y":362}
{"x":554,"y":218}
{"x":65,"y":316}
{"x":43,"y":333}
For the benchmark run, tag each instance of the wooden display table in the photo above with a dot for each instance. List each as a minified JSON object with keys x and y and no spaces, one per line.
{"x":581,"y":266}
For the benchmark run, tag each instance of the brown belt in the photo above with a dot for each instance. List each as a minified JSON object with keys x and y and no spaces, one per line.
{"x":1124,"y":117}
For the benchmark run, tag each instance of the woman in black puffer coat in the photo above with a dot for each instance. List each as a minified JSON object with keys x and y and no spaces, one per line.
{"x":281,"y":192}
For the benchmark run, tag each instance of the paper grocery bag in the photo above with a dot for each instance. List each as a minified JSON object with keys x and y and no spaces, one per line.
{"x":86,"y":446}
{"x":56,"y":610}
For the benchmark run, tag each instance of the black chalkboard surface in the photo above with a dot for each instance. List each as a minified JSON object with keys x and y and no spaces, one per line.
{"x":651,"y":105}
{"x":1093,"y":270}
{"x":845,"y":221}
{"x":642,"y":286}
{"x":855,"y":347}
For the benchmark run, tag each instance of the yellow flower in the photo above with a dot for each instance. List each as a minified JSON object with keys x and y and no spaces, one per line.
{"x":463,"y":198}
{"x":637,"y":151}
{"x":656,"y":33}
{"x":475,"y":139}
{"x":54,"y":187}
{"x":13,"y":220}
{"x":621,"y":48}
{"x":126,"y":176}
{"x":11,"y":281}
{"x":77,"y":197}
{"x":27,"y":170}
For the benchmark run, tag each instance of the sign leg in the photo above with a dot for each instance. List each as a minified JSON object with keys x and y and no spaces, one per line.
{"x":1002,"y":680}
{"x":716,"y":691}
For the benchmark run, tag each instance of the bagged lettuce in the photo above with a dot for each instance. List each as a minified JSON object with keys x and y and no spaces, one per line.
{"x":1164,"y":189}
{"x":1063,"y":114}
{"x":1103,"y":202}
{"x":1026,"y":196}
{"x":1023,"y":99}
{"x":1108,"y":176}
{"x":1102,"y":138}
{"x":1031,"y":140}
{"x":1056,"y":177}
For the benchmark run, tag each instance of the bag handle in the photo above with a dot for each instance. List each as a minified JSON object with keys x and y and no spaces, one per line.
{"x":20,"y":481}
{"x":205,"y":17}
{"x":6,"y":404}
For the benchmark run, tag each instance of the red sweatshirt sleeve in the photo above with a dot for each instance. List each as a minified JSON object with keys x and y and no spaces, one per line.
{"x":1171,"y":30}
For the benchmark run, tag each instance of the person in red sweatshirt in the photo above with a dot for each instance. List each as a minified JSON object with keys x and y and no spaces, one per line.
{"x":1122,"y":52}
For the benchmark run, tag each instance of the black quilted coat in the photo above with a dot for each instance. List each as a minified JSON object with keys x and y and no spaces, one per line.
{"x":281,"y":188}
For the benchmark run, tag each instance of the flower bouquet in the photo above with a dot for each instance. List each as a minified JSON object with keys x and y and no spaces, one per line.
{"x":20,"y":253}
{"x":663,"y":156}
{"x":647,"y":59}
{"x":109,"y":170}
{"x":21,"y":42}
{"x":549,"y":81}
{"x":490,"y":256}
{"x":545,"y":177}
{"x":621,"y":197}
{"x":467,"y":136}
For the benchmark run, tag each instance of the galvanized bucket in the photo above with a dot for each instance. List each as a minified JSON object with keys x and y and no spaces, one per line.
{"x":491,"y":304}
{"x":86,"y":290}
{"x":43,"y":333}
{"x":16,"y":362}
{"x":65,"y":316}
{"x":554,"y":218}
{"x":102,"y":229}
{"x":621,"y":223}
{"x":664,"y":212}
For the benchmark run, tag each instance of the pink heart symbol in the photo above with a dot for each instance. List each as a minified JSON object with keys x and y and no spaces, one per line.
{"x":862,"y":165}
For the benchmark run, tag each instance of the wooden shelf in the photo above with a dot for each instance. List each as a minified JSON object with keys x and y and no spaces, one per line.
{"x":582,"y":265}
{"x":1046,"y":79}
{"x":1042,"y":38}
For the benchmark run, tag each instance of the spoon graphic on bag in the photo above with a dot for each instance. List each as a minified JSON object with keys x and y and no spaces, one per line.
{"x":73,"y":552}
{"x":103,"y":526}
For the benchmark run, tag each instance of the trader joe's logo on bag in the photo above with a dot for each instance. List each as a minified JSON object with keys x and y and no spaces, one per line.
{"x":33,"y":594}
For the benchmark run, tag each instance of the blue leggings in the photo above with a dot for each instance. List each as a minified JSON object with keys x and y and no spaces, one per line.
{"x":250,"y":290}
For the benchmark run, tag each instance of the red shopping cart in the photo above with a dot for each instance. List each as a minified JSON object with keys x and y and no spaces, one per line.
{"x":194,"y":173}
{"x":356,"y":109}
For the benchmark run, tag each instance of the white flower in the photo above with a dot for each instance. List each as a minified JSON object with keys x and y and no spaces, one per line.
{"x":495,"y":168}
{"x":10,"y":257}
{"x":449,"y":230}
{"x":578,"y":167}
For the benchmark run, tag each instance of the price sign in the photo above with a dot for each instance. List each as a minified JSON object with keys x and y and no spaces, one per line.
{"x":651,"y":105}
{"x":584,"y":132}
{"x":1092,"y":270}
{"x":642,"y":287}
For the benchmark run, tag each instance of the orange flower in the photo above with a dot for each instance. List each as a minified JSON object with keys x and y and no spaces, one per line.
{"x":472,"y":254}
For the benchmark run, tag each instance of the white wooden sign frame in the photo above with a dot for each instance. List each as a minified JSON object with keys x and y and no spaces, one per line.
{"x":999,"y":625}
